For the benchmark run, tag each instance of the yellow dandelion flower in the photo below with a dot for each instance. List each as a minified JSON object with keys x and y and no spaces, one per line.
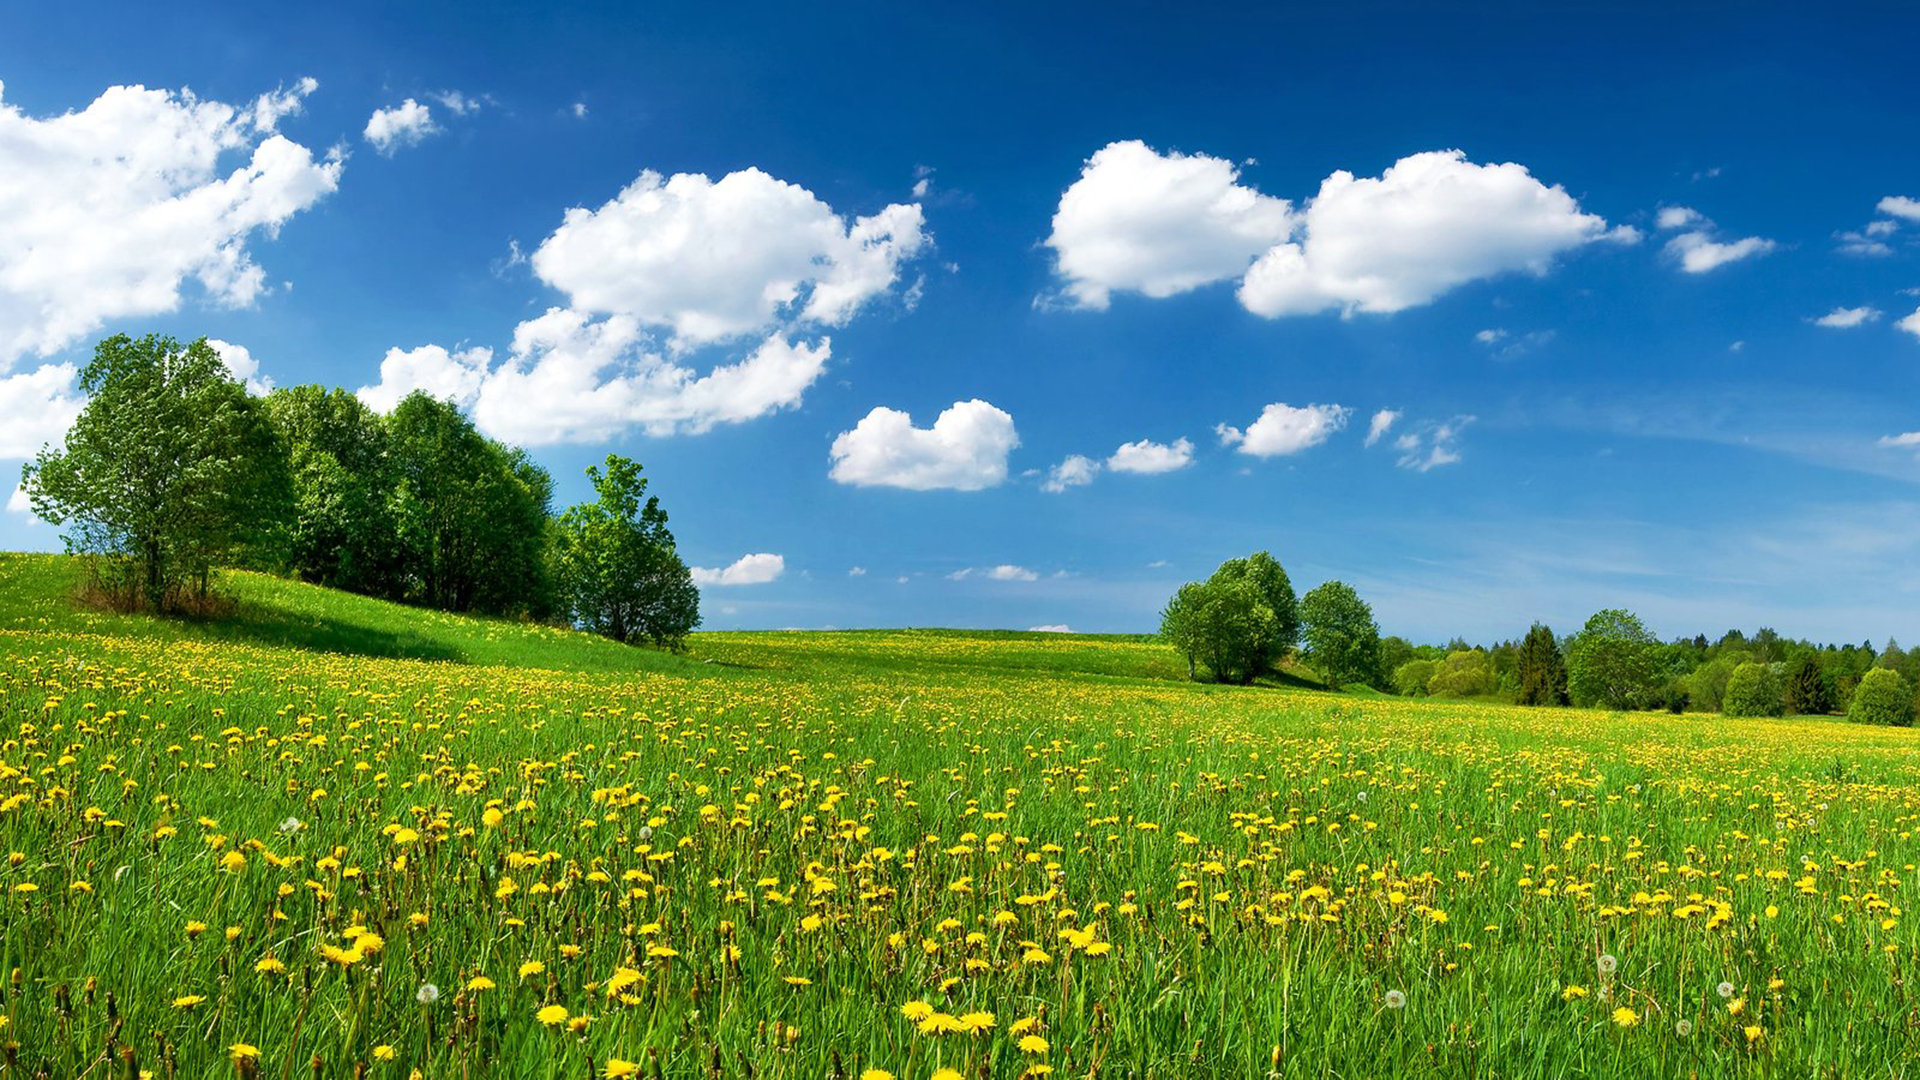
{"x":479,"y":982}
{"x":1625,"y":1017}
{"x":552,"y":1015}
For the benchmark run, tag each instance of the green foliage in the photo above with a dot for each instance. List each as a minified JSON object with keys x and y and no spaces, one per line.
{"x":617,"y":570}
{"x":1464,"y":673}
{"x":1541,"y":670}
{"x":1806,"y":689}
{"x":171,"y":469}
{"x":1265,"y":572}
{"x":1226,"y":625}
{"x":344,"y":532}
{"x":1613,"y":662}
{"x":1883,"y":697}
{"x":1753,"y":690}
{"x":1411,"y":678}
{"x":1342,"y":640}
{"x":1707,"y":684}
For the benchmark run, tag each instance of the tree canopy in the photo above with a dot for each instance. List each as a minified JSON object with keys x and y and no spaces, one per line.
{"x":1341,"y":639}
{"x":615,"y":563}
{"x":1613,"y":662}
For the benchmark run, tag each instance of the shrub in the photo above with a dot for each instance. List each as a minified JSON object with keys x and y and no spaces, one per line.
{"x":1882,"y":697}
{"x":1752,"y":690}
{"x":1411,"y":678}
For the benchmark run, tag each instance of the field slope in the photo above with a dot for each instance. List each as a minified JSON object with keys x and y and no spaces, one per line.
{"x":336,"y":829}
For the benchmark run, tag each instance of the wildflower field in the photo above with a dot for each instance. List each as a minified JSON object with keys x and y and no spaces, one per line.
{"x":907,"y":854}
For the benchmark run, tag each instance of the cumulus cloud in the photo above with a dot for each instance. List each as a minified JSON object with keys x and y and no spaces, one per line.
{"x":1146,"y":456}
{"x":1077,"y":470}
{"x":36,"y":408}
{"x":1003,"y":572}
{"x":756,"y":569}
{"x":1906,"y":441}
{"x":1903,"y":207}
{"x":1381,"y":423}
{"x":458,"y":103}
{"x":1285,"y":429}
{"x":108,"y":212}
{"x":966,"y":449}
{"x":1432,"y":444}
{"x":18,"y":503}
{"x":1847,"y":318}
{"x":709,"y":260}
{"x":1431,"y":223}
{"x":1159,"y":224}
{"x":1697,"y":251}
{"x":1911,"y":324}
{"x":448,"y":376}
{"x":242,"y":366}
{"x":1051,"y":628}
{"x":406,"y":124}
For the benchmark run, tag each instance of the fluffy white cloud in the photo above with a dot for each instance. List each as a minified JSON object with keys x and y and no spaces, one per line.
{"x":17,"y":503}
{"x":1907,"y":441}
{"x":1077,"y":470}
{"x":455,"y":376}
{"x":965,"y":450}
{"x":1003,"y":572}
{"x":241,"y":364}
{"x":404,"y":125}
{"x":1847,"y":318}
{"x":712,"y":260}
{"x":1698,"y":253}
{"x":1285,"y":429}
{"x":107,"y":212}
{"x":1911,"y":324}
{"x":460,"y":104}
{"x":1159,"y":224}
{"x":1151,"y":457}
{"x":1053,"y":628}
{"x":1678,"y":217}
{"x":1381,"y":423}
{"x":757,"y":569}
{"x":1900,"y":206}
{"x":1430,"y":223}
{"x":1431,"y":445}
{"x":36,"y":408}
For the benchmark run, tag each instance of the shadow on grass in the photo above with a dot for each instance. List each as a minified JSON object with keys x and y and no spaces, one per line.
{"x":257,"y":624}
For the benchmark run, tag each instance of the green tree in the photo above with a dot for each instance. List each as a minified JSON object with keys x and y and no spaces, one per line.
{"x":1806,"y":690}
{"x":1613,"y":662}
{"x":1183,"y":626}
{"x":1266,"y":574}
{"x":1464,"y":673}
{"x":1542,"y":670}
{"x":1752,"y":691}
{"x":170,"y":470}
{"x":1411,"y":678}
{"x":1342,"y":640}
{"x":343,"y":532}
{"x":1883,"y":697}
{"x":1225,"y":625}
{"x":616,"y":566}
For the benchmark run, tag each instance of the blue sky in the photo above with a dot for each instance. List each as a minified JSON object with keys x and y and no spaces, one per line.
{"x":1596,"y":324}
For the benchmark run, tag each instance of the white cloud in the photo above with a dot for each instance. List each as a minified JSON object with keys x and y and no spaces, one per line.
{"x":1489,"y":337}
{"x":1678,"y":217}
{"x":965,"y":450}
{"x":1847,"y":318}
{"x":456,"y":376}
{"x":1159,"y":224}
{"x":1432,"y":222}
{"x":757,"y":569}
{"x":1285,"y":429}
{"x":1381,"y":423}
{"x":857,"y":571}
{"x":1911,"y":324}
{"x":1431,"y":445}
{"x":1900,"y":206}
{"x":1077,"y":470}
{"x":714,"y":260}
{"x":36,"y":408}
{"x":406,"y":124}
{"x":242,"y":366}
{"x":1051,"y":628}
{"x":1907,"y":441}
{"x":458,"y":103}
{"x":1866,"y":242}
{"x":107,"y":212}
{"x":18,"y":503}
{"x":579,"y":110}
{"x":1151,"y":457}
{"x":1003,"y":572}
{"x":1698,"y":253}
{"x":1506,"y":345}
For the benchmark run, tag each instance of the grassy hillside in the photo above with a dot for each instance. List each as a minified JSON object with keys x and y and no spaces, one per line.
{"x":481,"y":849}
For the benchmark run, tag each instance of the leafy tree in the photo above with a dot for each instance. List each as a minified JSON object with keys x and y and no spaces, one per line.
{"x":1183,"y":626}
{"x":1752,"y":691}
{"x":170,"y":470}
{"x":1464,"y":673}
{"x":617,"y":569}
{"x":1806,"y":690}
{"x":1342,"y":640}
{"x":343,"y":532}
{"x":1411,"y":678}
{"x":1883,"y":697}
{"x":1225,"y":625}
{"x":1266,"y":574}
{"x":1613,"y":662}
{"x":1395,"y":652}
{"x":1542,"y":670}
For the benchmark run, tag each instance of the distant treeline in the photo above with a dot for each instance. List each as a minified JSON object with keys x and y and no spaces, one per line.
{"x":174,"y":469}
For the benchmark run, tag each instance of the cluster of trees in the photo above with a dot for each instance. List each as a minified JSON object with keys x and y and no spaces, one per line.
{"x":174,"y":469}
{"x":1245,"y":622}
{"x":1615,"y":662}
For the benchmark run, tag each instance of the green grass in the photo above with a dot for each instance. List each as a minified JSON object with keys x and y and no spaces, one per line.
{"x":1265,"y":872}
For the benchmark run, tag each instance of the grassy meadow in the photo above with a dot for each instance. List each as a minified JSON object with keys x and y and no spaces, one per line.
{"x":329,"y":836}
